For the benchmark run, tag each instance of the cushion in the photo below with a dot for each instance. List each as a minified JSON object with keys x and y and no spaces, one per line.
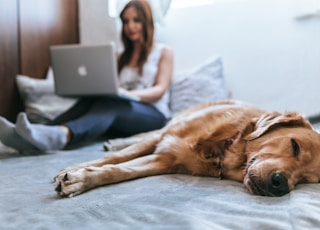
{"x":204,"y":83}
{"x":40,"y":101}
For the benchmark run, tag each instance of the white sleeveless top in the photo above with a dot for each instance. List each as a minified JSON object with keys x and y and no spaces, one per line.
{"x":130,"y":78}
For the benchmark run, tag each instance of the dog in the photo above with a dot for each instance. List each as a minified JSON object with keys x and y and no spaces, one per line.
{"x":268,"y":152}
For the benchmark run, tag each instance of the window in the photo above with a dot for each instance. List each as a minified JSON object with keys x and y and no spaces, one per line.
{"x":190,"y":3}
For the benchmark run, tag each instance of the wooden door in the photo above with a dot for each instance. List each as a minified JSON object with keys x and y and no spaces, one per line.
{"x":44,"y":23}
{"x":9,"y":58}
{"x":27,"y":29}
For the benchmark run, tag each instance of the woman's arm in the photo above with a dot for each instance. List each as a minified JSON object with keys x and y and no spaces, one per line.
{"x":162,"y":82}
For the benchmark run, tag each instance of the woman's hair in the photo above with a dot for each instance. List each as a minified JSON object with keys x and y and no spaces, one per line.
{"x":145,"y":16}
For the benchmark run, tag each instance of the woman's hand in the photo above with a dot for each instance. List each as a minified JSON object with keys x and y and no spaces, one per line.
{"x":127,"y":93}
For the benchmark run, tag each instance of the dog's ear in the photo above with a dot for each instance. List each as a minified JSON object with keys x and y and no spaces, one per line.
{"x":272,"y":120}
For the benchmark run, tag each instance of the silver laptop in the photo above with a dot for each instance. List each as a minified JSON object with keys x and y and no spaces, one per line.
{"x":85,"y":70}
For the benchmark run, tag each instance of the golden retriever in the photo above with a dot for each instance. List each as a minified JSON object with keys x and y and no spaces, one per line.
{"x":269,"y":152}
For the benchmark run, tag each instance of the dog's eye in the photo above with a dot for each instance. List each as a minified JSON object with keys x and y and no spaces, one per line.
{"x":295,"y":147}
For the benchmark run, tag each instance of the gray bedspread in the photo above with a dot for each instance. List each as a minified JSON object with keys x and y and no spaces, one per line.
{"x":28,"y":200}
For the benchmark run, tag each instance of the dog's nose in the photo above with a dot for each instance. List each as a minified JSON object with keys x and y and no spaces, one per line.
{"x":278,"y":184}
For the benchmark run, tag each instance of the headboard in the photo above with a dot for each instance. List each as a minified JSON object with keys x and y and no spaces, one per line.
{"x":28,"y":28}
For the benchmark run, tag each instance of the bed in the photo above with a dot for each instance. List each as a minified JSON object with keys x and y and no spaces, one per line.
{"x":28,"y":199}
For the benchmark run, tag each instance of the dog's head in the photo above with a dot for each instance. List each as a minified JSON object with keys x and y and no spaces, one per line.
{"x":283,"y":150}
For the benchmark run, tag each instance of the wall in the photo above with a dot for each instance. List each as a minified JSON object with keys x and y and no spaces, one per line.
{"x":95,"y":25}
{"x":270,"y":58}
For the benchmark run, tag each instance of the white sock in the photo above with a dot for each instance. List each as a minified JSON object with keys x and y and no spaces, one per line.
{"x":10,"y":138}
{"x":44,"y":137}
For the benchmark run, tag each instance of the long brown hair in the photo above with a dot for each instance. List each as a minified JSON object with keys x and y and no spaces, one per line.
{"x":145,"y":15}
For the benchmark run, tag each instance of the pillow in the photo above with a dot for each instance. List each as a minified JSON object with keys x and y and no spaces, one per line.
{"x":205,"y":83}
{"x":40,"y":101}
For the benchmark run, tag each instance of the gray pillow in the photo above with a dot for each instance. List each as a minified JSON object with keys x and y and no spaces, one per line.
{"x":40,"y":101}
{"x":205,"y":83}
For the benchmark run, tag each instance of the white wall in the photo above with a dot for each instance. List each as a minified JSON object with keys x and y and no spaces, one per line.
{"x":270,"y":58}
{"x":95,"y":25}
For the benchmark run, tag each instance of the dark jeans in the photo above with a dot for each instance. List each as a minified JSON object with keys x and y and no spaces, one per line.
{"x":90,"y":118}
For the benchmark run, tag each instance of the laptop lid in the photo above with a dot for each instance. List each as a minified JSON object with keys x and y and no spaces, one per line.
{"x":84,"y":70}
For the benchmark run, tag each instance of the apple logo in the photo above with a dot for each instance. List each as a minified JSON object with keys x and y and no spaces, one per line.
{"x":82,"y":71}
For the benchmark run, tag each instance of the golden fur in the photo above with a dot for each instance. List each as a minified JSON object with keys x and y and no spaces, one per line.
{"x":269,"y":152}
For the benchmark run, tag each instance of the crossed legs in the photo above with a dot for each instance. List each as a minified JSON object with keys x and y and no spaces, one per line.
{"x":89,"y":119}
{"x":26,"y":136}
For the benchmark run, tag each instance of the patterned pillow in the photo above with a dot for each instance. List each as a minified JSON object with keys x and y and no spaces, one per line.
{"x":40,"y":101}
{"x":205,"y":83}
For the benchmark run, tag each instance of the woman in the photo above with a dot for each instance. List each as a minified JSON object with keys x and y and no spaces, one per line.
{"x":145,"y":70}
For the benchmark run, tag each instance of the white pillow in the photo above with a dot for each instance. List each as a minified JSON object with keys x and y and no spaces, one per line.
{"x":40,"y":101}
{"x":205,"y":83}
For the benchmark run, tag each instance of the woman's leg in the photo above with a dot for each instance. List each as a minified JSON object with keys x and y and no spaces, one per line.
{"x":52,"y":136}
{"x":97,"y":120}
{"x":26,"y":136}
{"x":123,"y":116}
{"x":44,"y":137}
{"x":126,"y":117}
{"x":81,"y":107}
{"x":140,"y":118}
{"x":9,"y":136}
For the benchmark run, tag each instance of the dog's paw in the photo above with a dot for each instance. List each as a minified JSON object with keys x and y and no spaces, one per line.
{"x":72,"y":183}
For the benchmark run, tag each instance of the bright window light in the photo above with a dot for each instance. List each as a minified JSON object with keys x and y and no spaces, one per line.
{"x":115,"y":7}
{"x":190,"y":3}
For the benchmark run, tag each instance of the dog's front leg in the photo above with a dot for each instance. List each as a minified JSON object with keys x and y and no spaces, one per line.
{"x":134,"y":151}
{"x":78,"y":181}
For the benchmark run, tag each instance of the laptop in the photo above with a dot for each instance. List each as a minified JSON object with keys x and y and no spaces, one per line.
{"x":86,"y":70}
